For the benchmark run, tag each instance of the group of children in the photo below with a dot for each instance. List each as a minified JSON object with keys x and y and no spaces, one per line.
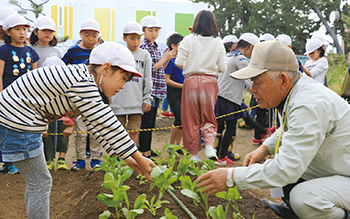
{"x":72,"y":93}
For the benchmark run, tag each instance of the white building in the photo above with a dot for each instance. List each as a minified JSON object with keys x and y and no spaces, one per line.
{"x":113,"y":14}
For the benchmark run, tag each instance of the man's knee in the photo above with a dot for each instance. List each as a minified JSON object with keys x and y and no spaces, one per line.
{"x":309,"y":203}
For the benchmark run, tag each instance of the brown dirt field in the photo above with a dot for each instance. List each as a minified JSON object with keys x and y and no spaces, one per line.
{"x":74,"y":194}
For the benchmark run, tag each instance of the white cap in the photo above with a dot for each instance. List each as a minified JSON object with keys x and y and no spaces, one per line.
{"x":132,"y":27}
{"x":312,"y":45}
{"x":249,"y":38}
{"x":14,"y":20}
{"x":44,"y":23}
{"x":53,"y":60}
{"x":150,"y":21}
{"x":230,"y":39}
{"x":267,"y":37}
{"x":116,"y":54}
{"x":90,"y":24}
{"x":284,"y":38}
{"x":322,"y":38}
{"x":4,"y":13}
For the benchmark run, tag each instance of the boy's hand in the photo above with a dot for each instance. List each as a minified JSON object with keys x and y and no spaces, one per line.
{"x":45,"y":134}
{"x":170,"y":54}
{"x":146,"y":107}
{"x":67,"y":131}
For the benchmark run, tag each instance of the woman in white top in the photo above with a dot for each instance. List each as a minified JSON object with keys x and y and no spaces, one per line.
{"x":317,"y":67}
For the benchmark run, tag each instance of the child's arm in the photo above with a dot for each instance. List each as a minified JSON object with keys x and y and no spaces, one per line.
{"x":172,"y":83}
{"x":165,"y":59}
{"x":105,"y":127}
{"x":2,"y":66}
{"x":35,"y":65}
{"x":68,"y":131}
{"x":147,"y":84}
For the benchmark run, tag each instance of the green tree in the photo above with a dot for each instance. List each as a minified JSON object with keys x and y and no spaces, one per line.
{"x":36,"y":8}
{"x":295,"y":18}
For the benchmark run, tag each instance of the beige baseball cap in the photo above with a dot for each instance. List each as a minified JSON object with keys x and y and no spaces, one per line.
{"x":116,"y":54}
{"x":268,"y":56}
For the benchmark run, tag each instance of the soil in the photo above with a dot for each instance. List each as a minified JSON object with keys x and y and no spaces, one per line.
{"x":74,"y":194}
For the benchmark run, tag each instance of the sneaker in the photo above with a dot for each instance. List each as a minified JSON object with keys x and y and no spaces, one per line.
{"x":164,"y":114}
{"x":234,"y":157}
{"x":171,"y":115}
{"x":61,"y":165}
{"x":80,"y":164}
{"x":202,"y":142}
{"x":224,"y":160}
{"x":210,"y":152}
{"x":242,"y":125}
{"x":196,"y":158}
{"x":281,"y":209}
{"x":269,"y":131}
{"x":88,"y":154}
{"x":12,"y":169}
{"x":257,"y":141}
{"x":50,"y":164}
{"x":95,"y":163}
{"x":4,"y":169}
{"x":101,"y":153}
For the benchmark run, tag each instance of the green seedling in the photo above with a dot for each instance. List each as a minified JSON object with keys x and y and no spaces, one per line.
{"x":232,"y":195}
{"x":139,"y":205}
{"x":168,"y":214}
{"x":190,"y":190}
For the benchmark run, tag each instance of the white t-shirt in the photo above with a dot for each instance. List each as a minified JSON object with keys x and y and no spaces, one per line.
{"x":318,"y":69}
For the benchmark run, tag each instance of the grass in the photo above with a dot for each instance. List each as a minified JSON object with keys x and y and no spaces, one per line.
{"x":338,"y":66}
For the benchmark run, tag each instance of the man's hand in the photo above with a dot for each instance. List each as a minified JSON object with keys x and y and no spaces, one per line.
{"x":256,"y":156}
{"x":214,"y":181}
{"x":68,"y":131}
{"x":146,"y":107}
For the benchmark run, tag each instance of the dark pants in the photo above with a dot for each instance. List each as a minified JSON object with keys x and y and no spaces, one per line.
{"x":148,"y":120}
{"x":50,"y":146}
{"x":174,"y":99}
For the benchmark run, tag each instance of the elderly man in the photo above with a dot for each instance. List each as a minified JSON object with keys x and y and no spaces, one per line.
{"x":311,"y":147}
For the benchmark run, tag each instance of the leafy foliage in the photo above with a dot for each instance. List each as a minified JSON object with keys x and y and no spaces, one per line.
{"x":295,"y":18}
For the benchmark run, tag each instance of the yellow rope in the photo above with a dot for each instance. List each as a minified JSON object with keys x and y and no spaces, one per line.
{"x":165,"y":128}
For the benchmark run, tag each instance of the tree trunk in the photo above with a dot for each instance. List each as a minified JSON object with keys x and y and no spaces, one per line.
{"x":329,"y":30}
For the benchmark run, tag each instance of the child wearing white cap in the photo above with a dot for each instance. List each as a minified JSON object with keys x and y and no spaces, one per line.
{"x":230,"y":99}
{"x":46,"y":94}
{"x":230,"y":42}
{"x":89,"y":33}
{"x":317,"y":67}
{"x":4,"y":13}
{"x":43,"y":39}
{"x":135,"y":99}
{"x":151,"y":26}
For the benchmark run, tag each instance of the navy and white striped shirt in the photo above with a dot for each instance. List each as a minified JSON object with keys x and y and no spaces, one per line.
{"x":39,"y":96}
